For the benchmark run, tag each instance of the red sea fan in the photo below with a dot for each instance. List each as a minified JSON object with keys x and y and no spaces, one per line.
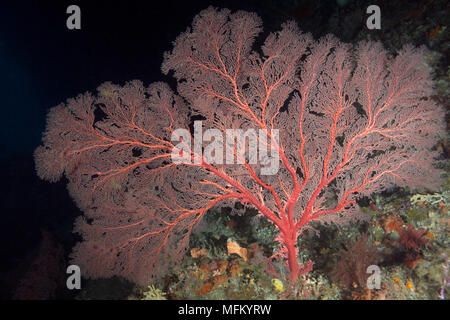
{"x":338,"y":120}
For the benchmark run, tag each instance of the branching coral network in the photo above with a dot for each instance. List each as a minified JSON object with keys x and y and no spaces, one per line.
{"x":352,"y":120}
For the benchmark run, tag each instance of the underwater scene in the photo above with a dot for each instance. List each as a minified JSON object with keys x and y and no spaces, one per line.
{"x":234,"y":150}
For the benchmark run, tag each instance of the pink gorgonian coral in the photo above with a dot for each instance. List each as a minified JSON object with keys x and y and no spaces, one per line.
{"x":352,"y":120}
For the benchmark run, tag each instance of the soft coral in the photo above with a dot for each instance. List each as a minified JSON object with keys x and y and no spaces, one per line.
{"x":414,"y":241}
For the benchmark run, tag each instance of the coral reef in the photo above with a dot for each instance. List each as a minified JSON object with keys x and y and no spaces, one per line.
{"x":154,"y":293}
